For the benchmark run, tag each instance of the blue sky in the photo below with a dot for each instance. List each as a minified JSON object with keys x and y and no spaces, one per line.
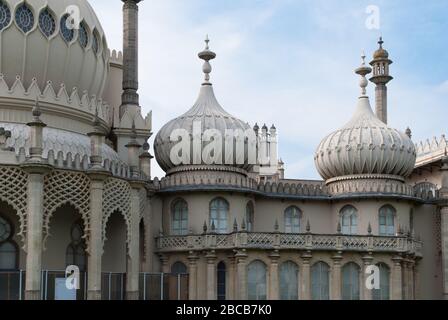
{"x":290,"y":62}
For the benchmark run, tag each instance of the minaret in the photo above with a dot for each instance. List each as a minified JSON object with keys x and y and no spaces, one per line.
{"x":130,"y":98}
{"x":381,"y":78}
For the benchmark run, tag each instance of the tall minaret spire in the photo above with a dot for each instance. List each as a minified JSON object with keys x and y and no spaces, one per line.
{"x":363,"y":71}
{"x":381,"y":78}
{"x":130,"y":96}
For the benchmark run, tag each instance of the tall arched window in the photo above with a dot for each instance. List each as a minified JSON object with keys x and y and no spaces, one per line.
{"x":292,"y":220}
{"x":24,"y":18}
{"x":250,"y":216}
{"x":219,"y":213}
{"x":66,"y":30}
{"x":9,"y":255}
{"x":221,"y":281}
{"x":179,"y":214}
{"x":349,"y":220}
{"x":387,"y":221}
{"x":47,"y":23}
{"x":320,"y":281}
{"x":350,"y":281}
{"x":256,"y":280}
{"x":289,"y":281}
{"x":5,"y":15}
{"x":76,"y":250}
{"x":179,"y":268}
{"x":383,"y":293}
{"x":83,"y":35}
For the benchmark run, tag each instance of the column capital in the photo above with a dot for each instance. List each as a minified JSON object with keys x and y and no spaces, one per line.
{"x":367,"y":259}
{"x":337,"y":257}
{"x":274,"y":256}
{"x":36,"y":167}
{"x":306,"y":256}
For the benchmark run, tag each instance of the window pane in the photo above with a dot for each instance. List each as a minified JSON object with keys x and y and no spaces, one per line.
{"x":8,"y":256}
{"x":289,"y":276}
{"x":256,"y":278}
{"x":320,"y":289}
{"x":350,"y":282}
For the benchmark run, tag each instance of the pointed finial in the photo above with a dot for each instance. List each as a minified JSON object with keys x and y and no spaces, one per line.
{"x":235,"y":226}
{"x":207,"y":55}
{"x":213,"y":227}
{"x":339,"y":229}
{"x":243,"y":224}
{"x":380,"y":42}
{"x":409,"y":132}
{"x":133,"y":131}
{"x":369,"y":229}
{"x":308,"y":226}
{"x":276,"y":226}
{"x":363,"y":70}
{"x":204,"y":228}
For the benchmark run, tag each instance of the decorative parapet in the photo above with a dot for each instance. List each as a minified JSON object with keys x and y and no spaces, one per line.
{"x":431,"y":150}
{"x":282,"y":241}
{"x":61,"y":97}
{"x":116,"y":58}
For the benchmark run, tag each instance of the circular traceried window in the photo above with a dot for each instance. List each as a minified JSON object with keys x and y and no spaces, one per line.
{"x":5,"y":229}
{"x":5,"y":15}
{"x":83,"y":36}
{"x":25,"y":18}
{"x":66,"y":30}
{"x":47,"y":23}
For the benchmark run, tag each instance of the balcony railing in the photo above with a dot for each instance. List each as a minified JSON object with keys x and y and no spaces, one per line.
{"x":284,"y":241}
{"x":153,"y":286}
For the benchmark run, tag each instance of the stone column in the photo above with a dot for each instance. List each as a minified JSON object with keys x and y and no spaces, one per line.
{"x":133,"y":257}
{"x":164,"y":262}
{"x":366,"y":292}
{"x":444,"y":234}
{"x":34,"y":229}
{"x":211,"y":275}
{"x":241,"y":268}
{"x":305,"y":290}
{"x":273,"y":276}
{"x":94,"y":264}
{"x":397,"y":283}
{"x":231,"y":278}
{"x":193,"y":274}
{"x":417,"y":281}
{"x":336,"y":273}
{"x":130,"y":96}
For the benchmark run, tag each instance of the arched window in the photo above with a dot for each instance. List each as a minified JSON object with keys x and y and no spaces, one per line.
{"x":179,"y":214}
{"x":179,"y":268}
{"x":9,"y":255}
{"x":219,"y":213}
{"x":349,"y":220}
{"x":83,"y":35}
{"x":24,"y":18}
{"x":95,"y":42}
{"x":5,"y":15}
{"x":320,"y":281}
{"x":292,"y":220}
{"x":250,"y":216}
{"x":256,"y":280}
{"x":67,"y":30}
{"x":76,"y":250}
{"x":350,"y":281}
{"x":383,"y":293}
{"x":387,"y":221}
{"x":289,"y":281}
{"x":47,"y":23}
{"x":221,"y":281}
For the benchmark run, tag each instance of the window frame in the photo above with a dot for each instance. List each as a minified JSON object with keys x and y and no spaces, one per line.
{"x":386,"y":229}
{"x":288,"y":283}
{"x":320,"y":291}
{"x":184,"y":213}
{"x":289,"y":219}
{"x":219,"y":220}
{"x":353,"y":216}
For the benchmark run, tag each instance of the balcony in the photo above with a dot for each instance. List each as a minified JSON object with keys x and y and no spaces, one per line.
{"x":283,"y":241}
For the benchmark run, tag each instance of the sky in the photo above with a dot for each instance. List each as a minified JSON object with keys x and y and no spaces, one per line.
{"x":290,"y":63}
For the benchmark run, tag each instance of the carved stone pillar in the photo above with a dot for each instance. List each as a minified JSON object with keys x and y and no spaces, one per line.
{"x":193,"y":274}
{"x":397,"y":282}
{"x":133,"y":257}
{"x":34,"y":229}
{"x":305,"y":290}
{"x":273,"y":276}
{"x":241,"y":266}
{"x":336,"y":282}
{"x":164,"y":262}
{"x":94,"y":264}
{"x":211,"y":275}
{"x":366,"y":292}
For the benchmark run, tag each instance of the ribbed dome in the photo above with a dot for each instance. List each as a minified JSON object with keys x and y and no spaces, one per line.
{"x":209,"y":113}
{"x":36,"y":43}
{"x":365,"y":145}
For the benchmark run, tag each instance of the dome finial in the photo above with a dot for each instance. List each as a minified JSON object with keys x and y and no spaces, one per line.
{"x":380,"y":42}
{"x":363,"y":70}
{"x":207,"y":55}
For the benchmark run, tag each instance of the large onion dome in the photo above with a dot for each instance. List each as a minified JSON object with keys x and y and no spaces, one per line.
{"x":365,"y":147}
{"x":206,"y":114}
{"x":39,"y":39}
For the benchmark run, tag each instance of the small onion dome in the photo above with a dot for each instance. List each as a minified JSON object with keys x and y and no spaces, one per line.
{"x":208,"y":113}
{"x":381,"y":53}
{"x":365,"y":145}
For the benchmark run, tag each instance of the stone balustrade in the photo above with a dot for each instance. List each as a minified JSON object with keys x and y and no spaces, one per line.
{"x":283,"y":241}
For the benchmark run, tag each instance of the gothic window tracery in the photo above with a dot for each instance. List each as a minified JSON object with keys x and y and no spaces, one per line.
{"x":67,"y":31}
{"x":5,"y":15}
{"x":24,"y":18}
{"x":83,"y":36}
{"x":47,"y":23}
{"x":8,"y":248}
